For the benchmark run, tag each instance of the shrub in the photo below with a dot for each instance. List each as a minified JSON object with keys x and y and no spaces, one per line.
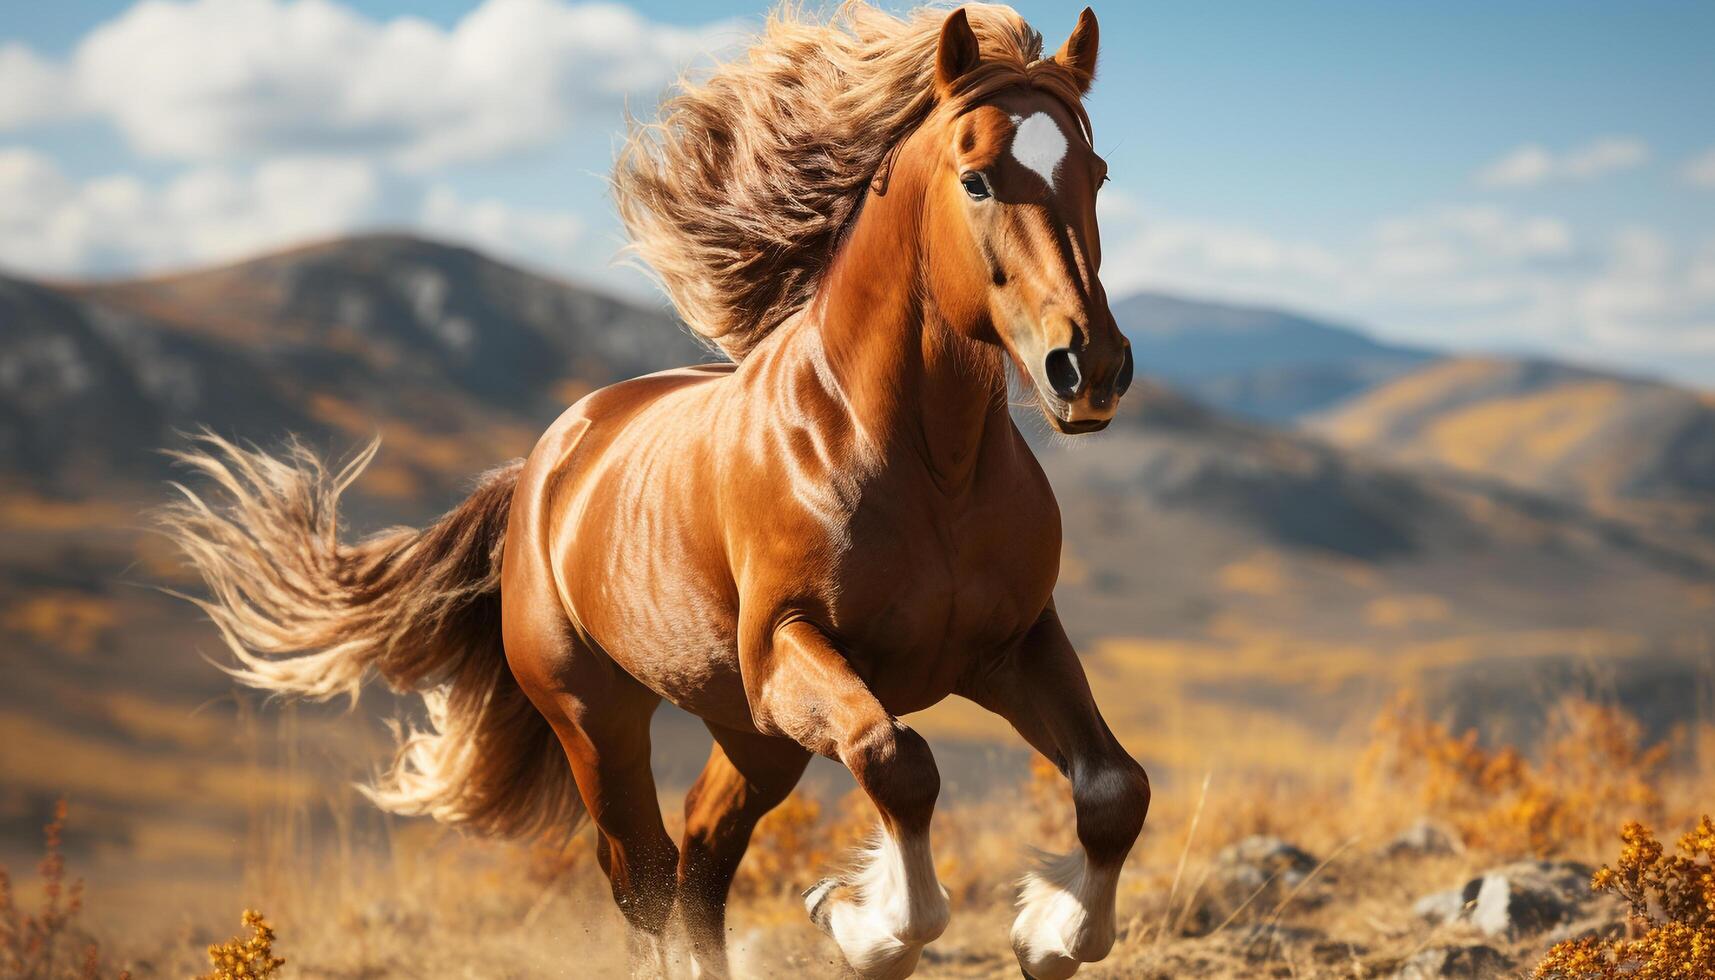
{"x":47,"y":943}
{"x":246,"y":959}
{"x":787,"y":844}
{"x":1592,"y":767}
{"x":1672,"y":900}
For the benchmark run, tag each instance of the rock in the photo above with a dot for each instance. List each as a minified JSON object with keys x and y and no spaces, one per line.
{"x":1519,"y":899}
{"x":1440,"y":907}
{"x":1263,"y":857}
{"x":1248,"y":880}
{"x":1424,"y":838}
{"x":1608,"y":922}
{"x":1264,"y":941}
{"x":1456,"y":962}
{"x":1529,"y":897}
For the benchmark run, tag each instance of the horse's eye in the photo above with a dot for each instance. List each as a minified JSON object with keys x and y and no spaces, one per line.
{"x":977,"y":186}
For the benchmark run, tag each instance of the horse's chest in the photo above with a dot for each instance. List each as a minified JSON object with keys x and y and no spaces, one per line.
{"x":924,"y":590}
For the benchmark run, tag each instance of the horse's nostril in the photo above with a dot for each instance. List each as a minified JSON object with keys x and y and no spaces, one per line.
{"x":1123,"y":382}
{"x":1061,"y":366}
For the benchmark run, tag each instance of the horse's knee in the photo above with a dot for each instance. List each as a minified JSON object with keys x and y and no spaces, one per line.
{"x":895,"y":767}
{"x":1112,"y":800}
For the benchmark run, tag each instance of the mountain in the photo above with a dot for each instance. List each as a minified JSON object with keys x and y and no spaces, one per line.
{"x":1613,"y":443}
{"x":437,"y":347}
{"x":1162,"y":506}
{"x":1253,"y":362}
{"x":87,"y":389}
{"x":423,"y":312}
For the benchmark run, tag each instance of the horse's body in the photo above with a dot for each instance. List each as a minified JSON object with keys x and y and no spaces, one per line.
{"x":842,"y":528}
{"x":753,"y":488}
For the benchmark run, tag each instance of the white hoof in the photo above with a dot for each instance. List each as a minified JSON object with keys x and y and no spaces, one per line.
{"x":885,"y":911}
{"x":1065,"y":916}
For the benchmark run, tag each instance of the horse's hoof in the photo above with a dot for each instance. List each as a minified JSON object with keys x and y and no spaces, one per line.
{"x":816,"y":903}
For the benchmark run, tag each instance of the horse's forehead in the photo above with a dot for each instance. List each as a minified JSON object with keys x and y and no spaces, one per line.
{"x":1021,"y":133}
{"x":1039,"y":144}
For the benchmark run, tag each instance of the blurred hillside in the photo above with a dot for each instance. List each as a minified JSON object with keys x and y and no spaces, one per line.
{"x":1243,"y":592}
{"x":1258,"y":363}
{"x":1617,"y":444}
{"x":439,"y":348}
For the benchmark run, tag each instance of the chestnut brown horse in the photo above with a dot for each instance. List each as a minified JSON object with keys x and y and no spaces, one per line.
{"x":843,"y":526}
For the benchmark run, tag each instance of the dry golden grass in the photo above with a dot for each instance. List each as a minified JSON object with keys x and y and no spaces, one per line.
{"x":1529,"y":431}
{"x":68,"y":621}
{"x":1401,"y":611}
{"x":430,"y":903}
{"x":1409,"y":395}
{"x":22,"y":509}
{"x":1260,"y":574}
{"x":34,"y":754}
{"x":447,"y":456}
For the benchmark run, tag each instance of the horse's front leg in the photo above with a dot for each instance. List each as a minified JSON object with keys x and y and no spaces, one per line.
{"x":891,"y":904}
{"x":1066,"y":906}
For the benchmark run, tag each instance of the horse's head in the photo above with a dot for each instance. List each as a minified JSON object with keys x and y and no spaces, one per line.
{"x":1012,"y":208}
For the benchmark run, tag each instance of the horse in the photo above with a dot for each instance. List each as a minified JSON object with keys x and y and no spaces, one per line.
{"x":838,"y":525}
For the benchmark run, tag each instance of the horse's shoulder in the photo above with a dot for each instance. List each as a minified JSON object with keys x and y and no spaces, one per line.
{"x":605,"y":410}
{"x":621,"y":400}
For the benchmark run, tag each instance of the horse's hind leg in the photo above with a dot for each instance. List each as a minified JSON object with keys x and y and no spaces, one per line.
{"x":1066,"y":911}
{"x":887,"y":909}
{"x":607,"y":740}
{"x":747,"y":775}
{"x":601,"y":716}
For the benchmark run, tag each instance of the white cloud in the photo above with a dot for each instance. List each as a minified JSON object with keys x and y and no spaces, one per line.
{"x":229,"y":80}
{"x":1455,"y":277}
{"x":1649,"y":295}
{"x":1700,"y":170}
{"x":31,"y":88}
{"x":555,"y":239}
{"x":1523,"y":167}
{"x":1604,"y":156}
{"x":52,"y":224}
{"x":1530,"y":165}
{"x":1140,"y":249}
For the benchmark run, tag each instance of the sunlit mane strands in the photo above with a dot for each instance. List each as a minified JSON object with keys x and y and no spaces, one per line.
{"x":736,"y":198}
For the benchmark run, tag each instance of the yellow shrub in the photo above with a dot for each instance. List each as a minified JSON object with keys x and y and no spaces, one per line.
{"x":1672,"y":899}
{"x":1592,"y":768}
{"x":1050,"y":796}
{"x":246,"y":959}
{"x":788,"y":843}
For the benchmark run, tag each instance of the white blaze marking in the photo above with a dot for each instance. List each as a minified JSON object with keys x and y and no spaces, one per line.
{"x":1039,"y":144}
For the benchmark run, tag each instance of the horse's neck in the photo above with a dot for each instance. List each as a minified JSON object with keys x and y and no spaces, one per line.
{"x":910,"y":381}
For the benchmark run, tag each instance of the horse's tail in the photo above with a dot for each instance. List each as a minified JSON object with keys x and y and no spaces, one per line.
{"x":308,"y":616}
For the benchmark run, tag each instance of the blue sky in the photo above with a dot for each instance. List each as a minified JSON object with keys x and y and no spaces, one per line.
{"x":1523,"y":177}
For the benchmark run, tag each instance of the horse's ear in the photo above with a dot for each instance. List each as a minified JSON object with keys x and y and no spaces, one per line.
{"x":957,"y":53}
{"x":1078,"y":54}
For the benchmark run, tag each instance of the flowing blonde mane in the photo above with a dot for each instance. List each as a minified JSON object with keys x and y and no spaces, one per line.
{"x":737,"y":196}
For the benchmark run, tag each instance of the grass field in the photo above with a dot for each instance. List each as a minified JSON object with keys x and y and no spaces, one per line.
{"x":354,"y":895}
